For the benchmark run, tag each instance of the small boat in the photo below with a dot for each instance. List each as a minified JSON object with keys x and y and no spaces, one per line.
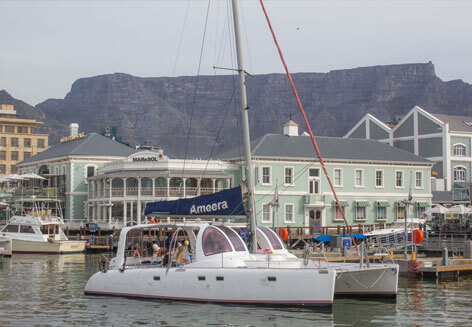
{"x":37,"y":229}
{"x":219,"y":271}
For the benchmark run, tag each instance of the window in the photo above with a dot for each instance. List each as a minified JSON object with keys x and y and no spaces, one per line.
{"x":3,"y":169}
{"x":63,"y":170}
{"x":40,"y":143}
{"x":14,"y":141}
{"x":266,"y":213}
{"x":400,"y":212}
{"x":22,"y":130}
{"x":13,"y":169}
{"x":11,"y":229}
{"x":14,"y":155}
{"x":90,"y":171}
{"x":214,"y":242}
{"x":288,"y":175}
{"x":1,"y":128}
{"x":459,"y":150}
{"x":9,"y":129}
{"x":27,"y":143}
{"x":419,"y":179}
{"x":56,"y":170}
{"x":459,"y":174}
{"x":379,"y":178}
{"x":26,"y":229}
{"x":399,"y":179}
{"x":360,"y":212}
{"x":289,"y":218}
{"x":338,"y":177}
{"x":266,"y":175}
{"x":314,"y":186}
{"x":337,"y":211}
{"x":314,"y":172}
{"x":3,"y":141}
{"x":420,"y":210}
{"x":26,"y":155}
{"x":359,"y":178}
{"x":381,"y":213}
{"x":238,"y":245}
{"x":3,"y":155}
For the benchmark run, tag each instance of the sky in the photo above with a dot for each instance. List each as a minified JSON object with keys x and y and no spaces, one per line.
{"x":46,"y":45}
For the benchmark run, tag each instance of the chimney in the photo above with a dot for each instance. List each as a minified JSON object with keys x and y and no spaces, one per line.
{"x":291,"y":128}
{"x":74,"y":129}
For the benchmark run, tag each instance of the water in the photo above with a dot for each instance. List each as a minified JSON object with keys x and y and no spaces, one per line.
{"x":47,"y":290}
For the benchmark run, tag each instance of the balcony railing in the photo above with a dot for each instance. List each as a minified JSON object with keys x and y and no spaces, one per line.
{"x":314,"y":199}
{"x":158,"y":191}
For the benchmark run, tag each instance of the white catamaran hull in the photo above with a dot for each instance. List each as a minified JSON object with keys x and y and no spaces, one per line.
{"x":220,"y":285}
{"x":377,"y":280}
{"x":58,"y":247}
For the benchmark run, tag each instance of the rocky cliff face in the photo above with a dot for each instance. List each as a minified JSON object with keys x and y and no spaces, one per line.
{"x":160,"y":109}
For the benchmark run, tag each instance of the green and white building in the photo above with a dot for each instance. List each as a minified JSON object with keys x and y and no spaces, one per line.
{"x":446,"y":140}
{"x":372,"y":179}
{"x":67,"y":165}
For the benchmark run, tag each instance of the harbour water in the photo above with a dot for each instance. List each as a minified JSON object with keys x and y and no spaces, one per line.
{"x":47,"y":290}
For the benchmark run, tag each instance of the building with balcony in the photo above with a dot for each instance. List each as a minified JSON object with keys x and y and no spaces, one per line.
{"x":372,"y":180}
{"x":18,"y":139}
{"x":118,"y":193}
{"x":446,"y":140}
{"x":68,"y":164}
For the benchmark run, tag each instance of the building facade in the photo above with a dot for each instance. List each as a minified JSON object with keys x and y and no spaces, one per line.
{"x":67,"y":165}
{"x":18,"y":139}
{"x":371,"y":179}
{"x":118,"y":194}
{"x":445,"y":140}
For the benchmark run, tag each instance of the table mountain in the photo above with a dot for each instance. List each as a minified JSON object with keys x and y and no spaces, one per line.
{"x":169,"y":111}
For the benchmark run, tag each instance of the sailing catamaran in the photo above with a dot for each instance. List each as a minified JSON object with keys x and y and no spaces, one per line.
{"x":219,"y":272}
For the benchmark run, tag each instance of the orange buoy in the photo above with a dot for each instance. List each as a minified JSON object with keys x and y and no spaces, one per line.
{"x":283,"y":233}
{"x":417,"y":236}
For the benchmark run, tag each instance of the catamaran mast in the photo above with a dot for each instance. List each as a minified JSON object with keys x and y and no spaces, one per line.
{"x":245,"y":124}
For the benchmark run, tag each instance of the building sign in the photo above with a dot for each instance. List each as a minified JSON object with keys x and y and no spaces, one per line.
{"x":72,"y":137}
{"x":148,"y":158}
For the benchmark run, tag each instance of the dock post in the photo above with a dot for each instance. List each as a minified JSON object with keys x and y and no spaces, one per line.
{"x":444,"y":258}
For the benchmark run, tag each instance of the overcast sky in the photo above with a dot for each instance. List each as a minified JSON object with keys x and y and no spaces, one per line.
{"x":47,"y":45}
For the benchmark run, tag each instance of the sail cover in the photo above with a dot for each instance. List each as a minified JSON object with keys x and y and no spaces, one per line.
{"x":224,"y":203}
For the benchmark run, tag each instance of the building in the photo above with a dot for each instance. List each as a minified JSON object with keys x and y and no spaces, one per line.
{"x":372,"y":180}
{"x":445,"y":140}
{"x":67,"y":166}
{"x":118,"y":193}
{"x":18,"y":139}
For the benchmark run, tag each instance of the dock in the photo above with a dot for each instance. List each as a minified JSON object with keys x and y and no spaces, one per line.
{"x":446,"y":272}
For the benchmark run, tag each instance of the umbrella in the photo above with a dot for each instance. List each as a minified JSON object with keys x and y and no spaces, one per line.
{"x":457,"y":209}
{"x":32,"y":176}
{"x":437,"y":209}
{"x":322,"y":238}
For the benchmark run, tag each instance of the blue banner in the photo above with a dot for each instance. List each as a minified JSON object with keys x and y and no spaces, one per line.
{"x":224,"y":203}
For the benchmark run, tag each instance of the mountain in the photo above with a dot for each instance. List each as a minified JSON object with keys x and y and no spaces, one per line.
{"x":168,"y":111}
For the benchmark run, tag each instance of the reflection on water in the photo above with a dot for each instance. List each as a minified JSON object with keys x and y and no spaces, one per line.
{"x":47,"y":290}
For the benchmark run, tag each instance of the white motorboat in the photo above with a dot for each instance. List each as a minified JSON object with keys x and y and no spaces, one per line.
{"x":38,"y":230}
{"x":220,"y":272}
{"x":353,"y":279}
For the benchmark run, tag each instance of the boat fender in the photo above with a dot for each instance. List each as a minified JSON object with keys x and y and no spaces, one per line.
{"x":283,"y":233}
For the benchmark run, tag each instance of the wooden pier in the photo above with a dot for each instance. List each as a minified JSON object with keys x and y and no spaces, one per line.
{"x":446,"y":272}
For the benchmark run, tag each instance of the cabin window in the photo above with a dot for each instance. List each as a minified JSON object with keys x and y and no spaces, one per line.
{"x":10,"y":229}
{"x":214,"y":242}
{"x":26,"y":229}
{"x":49,"y":229}
{"x":234,"y":238}
{"x":273,"y":239}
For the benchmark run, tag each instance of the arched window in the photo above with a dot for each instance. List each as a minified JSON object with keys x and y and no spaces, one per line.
{"x":460,"y":150}
{"x":214,"y":242}
{"x":460,"y":174}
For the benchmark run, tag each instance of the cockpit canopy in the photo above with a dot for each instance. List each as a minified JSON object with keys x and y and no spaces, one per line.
{"x":267,"y":239}
{"x":221,"y":239}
